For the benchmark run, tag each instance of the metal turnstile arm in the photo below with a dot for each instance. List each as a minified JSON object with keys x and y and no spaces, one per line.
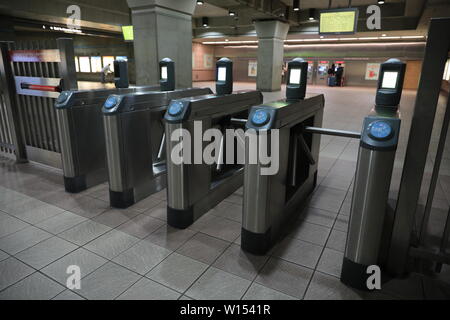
{"x":333,"y":132}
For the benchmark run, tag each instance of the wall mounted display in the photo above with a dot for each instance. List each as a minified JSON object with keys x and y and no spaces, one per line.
{"x":252,"y":68}
{"x":208,"y":61}
{"x":372,"y":71}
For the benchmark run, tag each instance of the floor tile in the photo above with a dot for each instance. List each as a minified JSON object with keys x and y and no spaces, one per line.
{"x":86,"y":260}
{"x":203,"y":248}
{"x":9,"y":225}
{"x":84,"y":232}
{"x":142,"y":257}
{"x":325,"y":287}
{"x":40,"y":213}
{"x":215,"y":284}
{"x":259,"y":292}
{"x":115,"y":217}
{"x":111,"y":244}
{"x":46,"y":252}
{"x":329,"y":199}
{"x":222,"y":228}
{"x":169,"y":237}
{"x":3,"y":255}
{"x":337,"y":240}
{"x":331,"y":262}
{"x":145,"y":204}
{"x":159,"y":211}
{"x":34,"y":287}
{"x":68,"y":295}
{"x":240,"y":263}
{"x":318,"y":216}
{"x":285,"y":277}
{"x":310,"y":232}
{"x":61,"y":222}
{"x":341,"y":223}
{"x":177,"y":272}
{"x":23,"y":239}
{"x":299,"y":252}
{"x":107,"y":282}
{"x":12,"y":271}
{"x":89,"y":207}
{"x":141,"y":226}
{"x":146,"y":289}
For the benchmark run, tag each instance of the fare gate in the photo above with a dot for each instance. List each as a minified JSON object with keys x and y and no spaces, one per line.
{"x":32,"y":75}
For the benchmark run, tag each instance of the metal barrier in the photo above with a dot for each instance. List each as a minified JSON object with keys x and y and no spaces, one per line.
{"x":34,"y":72}
{"x":6,"y":142}
{"x":402,"y":244}
{"x":135,"y":143}
{"x":80,"y":126}
{"x":270,"y":201}
{"x":193,"y":189}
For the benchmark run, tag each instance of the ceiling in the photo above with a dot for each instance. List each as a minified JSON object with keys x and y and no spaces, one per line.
{"x":399,"y":17}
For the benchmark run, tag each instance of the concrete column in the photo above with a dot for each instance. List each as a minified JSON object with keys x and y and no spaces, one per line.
{"x":271,"y":36}
{"x":162,"y":28}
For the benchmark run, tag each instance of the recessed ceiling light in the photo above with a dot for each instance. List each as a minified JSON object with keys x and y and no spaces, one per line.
{"x":200,"y":2}
{"x":381,"y":2}
{"x":231,"y":13}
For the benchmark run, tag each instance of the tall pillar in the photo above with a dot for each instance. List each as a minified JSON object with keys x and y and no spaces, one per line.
{"x":271,"y":36}
{"x":162,"y":28}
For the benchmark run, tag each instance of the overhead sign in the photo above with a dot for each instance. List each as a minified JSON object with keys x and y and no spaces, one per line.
{"x":338,"y":21}
{"x":128,"y":33}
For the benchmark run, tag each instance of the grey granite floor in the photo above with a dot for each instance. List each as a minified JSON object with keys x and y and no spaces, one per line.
{"x":133,"y":254}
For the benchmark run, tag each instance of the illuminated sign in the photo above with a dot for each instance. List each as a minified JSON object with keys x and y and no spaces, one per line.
{"x":164,"y":73}
{"x":222,"y":74}
{"x":295,"y":76}
{"x":389,"y":80}
{"x":85,"y":65}
{"x":96,"y":64}
{"x":128,"y":34}
{"x":338,"y":21}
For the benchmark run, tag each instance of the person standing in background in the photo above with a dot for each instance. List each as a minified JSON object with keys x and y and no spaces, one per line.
{"x":104,"y":72}
{"x":339,"y":75}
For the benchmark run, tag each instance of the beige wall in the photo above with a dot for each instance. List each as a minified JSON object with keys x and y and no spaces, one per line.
{"x":412,"y":75}
{"x":200,"y":72}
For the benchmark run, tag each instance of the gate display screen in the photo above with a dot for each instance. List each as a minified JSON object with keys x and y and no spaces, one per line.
{"x":164,"y":73}
{"x":295,"y":76}
{"x":222,"y":74}
{"x":338,"y":21}
{"x":389,"y":80}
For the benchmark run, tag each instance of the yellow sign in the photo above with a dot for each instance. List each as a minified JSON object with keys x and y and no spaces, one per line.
{"x":128,"y":33}
{"x":338,"y":22}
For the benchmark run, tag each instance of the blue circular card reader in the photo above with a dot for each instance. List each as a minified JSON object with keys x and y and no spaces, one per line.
{"x":62,"y":97}
{"x":175,"y":108}
{"x":260,"y":118}
{"x":110,"y":102}
{"x":380,"y":130}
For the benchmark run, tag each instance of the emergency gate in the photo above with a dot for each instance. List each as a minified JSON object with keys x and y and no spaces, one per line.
{"x":32,"y":75}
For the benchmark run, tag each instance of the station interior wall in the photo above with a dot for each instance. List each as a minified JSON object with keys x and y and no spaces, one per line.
{"x":204,"y":57}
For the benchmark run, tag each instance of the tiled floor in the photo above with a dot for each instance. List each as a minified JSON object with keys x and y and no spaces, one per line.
{"x":133,"y":254}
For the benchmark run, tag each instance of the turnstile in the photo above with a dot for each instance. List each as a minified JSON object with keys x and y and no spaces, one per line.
{"x":135,"y":143}
{"x":271,"y":200}
{"x":80,"y":125}
{"x":376,"y":157}
{"x":194,"y":188}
